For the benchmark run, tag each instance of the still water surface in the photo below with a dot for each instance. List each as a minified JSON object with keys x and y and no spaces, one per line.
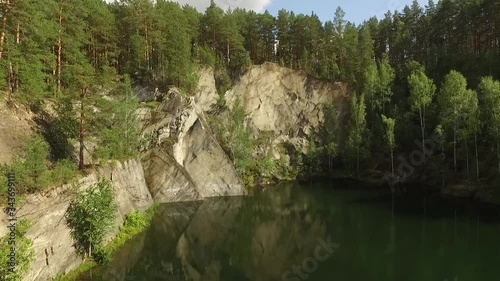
{"x":312,"y":232}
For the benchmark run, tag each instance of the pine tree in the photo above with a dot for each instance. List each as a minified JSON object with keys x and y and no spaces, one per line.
{"x":118,"y":132}
{"x":172,"y":54}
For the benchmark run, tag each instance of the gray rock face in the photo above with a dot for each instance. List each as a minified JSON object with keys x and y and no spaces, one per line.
{"x":187,"y":154}
{"x":286,"y":102}
{"x":49,"y":231}
{"x":206,"y":93}
{"x":131,"y":190}
{"x":184,"y":162}
{"x":166,"y":179}
{"x":146,"y":94}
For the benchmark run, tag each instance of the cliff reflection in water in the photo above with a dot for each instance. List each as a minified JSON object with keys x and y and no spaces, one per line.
{"x":256,"y":238}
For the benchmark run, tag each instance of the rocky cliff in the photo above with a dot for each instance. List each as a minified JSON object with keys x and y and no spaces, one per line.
{"x":182,"y":160}
{"x":53,"y":245}
{"x":185,"y":155}
{"x":226,"y":238}
{"x":287,"y":105}
{"x":286,"y":102}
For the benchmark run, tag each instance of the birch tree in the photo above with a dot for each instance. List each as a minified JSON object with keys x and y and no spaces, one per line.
{"x":422,"y":90}
{"x":357,"y":136}
{"x":451,"y":93}
{"x":490,"y":89}
{"x":390,"y":137}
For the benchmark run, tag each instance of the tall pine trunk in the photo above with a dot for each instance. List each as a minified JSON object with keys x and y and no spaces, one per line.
{"x":81,"y":163}
{"x":357,"y":160}
{"x":59,"y":52}
{"x":392,"y":162}
{"x":4,"y":27}
{"x":498,"y":156}
{"x":467,"y":156}
{"x":477,"y":156}
{"x":422,"y":126}
{"x":455,"y":145}
{"x":444,"y":164}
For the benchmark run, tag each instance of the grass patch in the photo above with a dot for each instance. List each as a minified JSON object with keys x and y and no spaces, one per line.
{"x":150,"y":105}
{"x":135,"y":223}
{"x":74,"y":274}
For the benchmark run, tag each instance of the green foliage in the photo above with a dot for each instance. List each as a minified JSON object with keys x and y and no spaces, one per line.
{"x":371,"y":85}
{"x":61,"y":130}
{"x":31,"y":168}
{"x":64,"y":171}
{"x":205,"y":56}
{"x":236,"y":138}
{"x":119,"y":134}
{"x":91,"y":216}
{"x":389,"y":133}
{"x":25,"y":254}
{"x":151,"y":105}
{"x":357,"y":140}
{"x":313,"y":159}
{"x":73,"y":275}
{"x":135,"y":222}
{"x":101,"y":256}
{"x":390,"y":137}
{"x":61,"y":49}
{"x":267,"y":165}
{"x":386,"y":79}
{"x":422,"y":90}
{"x":222,"y":81}
{"x":490,"y":89}
{"x":330,"y":131}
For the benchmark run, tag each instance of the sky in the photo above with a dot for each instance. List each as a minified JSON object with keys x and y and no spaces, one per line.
{"x":356,"y":10}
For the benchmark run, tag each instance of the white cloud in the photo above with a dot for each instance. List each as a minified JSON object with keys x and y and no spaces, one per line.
{"x":202,"y":5}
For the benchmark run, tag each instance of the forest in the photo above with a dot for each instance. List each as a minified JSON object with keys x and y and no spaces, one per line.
{"x":416,"y":73}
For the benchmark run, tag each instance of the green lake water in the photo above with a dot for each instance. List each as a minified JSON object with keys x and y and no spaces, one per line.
{"x":313,"y":232}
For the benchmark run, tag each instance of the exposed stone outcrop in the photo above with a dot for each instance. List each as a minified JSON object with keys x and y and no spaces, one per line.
{"x":51,"y":237}
{"x":186,"y":153}
{"x":206,"y":93}
{"x":167,"y":180}
{"x":287,"y":103}
{"x":184,"y":162}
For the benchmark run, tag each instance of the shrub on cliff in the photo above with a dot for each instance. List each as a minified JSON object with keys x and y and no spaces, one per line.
{"x":31,"y":167}
{"x":64,"y":171}
{"x":91,"y":216}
